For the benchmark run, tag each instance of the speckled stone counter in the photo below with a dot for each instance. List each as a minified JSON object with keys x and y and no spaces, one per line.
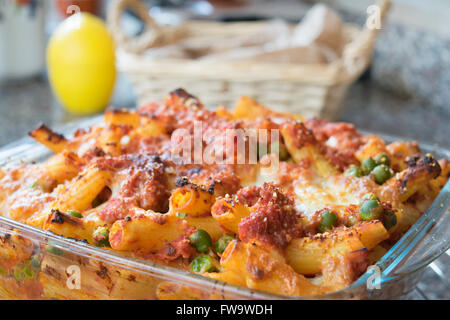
{"x":373,"y":108}
{"x":23,"y":105}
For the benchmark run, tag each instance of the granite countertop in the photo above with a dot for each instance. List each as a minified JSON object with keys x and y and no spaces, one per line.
{"x":27,"y":103}
{"x":375,"y":109}
{"x":23,"y":105}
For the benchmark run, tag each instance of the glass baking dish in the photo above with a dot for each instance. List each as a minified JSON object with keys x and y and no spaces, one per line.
{"x":36,"y":264}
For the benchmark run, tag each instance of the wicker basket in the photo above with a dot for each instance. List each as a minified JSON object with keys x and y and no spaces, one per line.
{"x":307,"y":89}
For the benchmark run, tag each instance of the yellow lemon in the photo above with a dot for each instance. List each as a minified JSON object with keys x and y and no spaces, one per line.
{"x":81,"y":64}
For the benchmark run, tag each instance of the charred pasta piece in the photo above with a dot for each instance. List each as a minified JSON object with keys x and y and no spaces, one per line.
{"x":191,"y":199}
{"x":52,"y":140}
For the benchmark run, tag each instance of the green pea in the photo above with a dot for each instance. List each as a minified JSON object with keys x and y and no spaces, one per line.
{"x":35,"y":262}
{"x":201,"y":240}
{"x":381,"y":173}
{"x":2,"y":271}
{"x":369,"y":196}
{"x":18,"y":274}
{"x":390,"y":219}
{"x":203,"y":263}
{"x":351,"y":221}
{"x":35,"y":185}
{"x":382,"y":158}
{"x":284,"y":154}
{"x":391,"y":172}
{"x":28,"y":273}
{"x":181,"y":215}
{"x":75,"y":214}
{"x":96,"y":202}
{"x":282,"y":151}
{"x":53,"y":250}
{"x":354,"y":172}
{"x":101,"y":237}
{"x":222,"y":243}
{"x":370,"y":210}
{"x":368,"y":165}
{"x":38,"y":185}
{"x":328,"y":221}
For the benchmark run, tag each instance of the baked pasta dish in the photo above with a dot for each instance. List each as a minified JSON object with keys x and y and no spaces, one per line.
{"x":250,"y":197}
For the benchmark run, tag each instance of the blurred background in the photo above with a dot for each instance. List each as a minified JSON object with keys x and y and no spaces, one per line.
{"x":317,"y":58}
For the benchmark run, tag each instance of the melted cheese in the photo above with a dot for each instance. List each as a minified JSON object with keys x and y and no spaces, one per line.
{"x":316,"y":193}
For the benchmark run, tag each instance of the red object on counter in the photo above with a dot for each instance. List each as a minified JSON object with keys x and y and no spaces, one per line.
{"x":91,"y":6}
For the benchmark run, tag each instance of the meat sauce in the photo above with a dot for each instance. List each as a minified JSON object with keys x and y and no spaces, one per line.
{"x":339,"y":141}
{"x":274,"y":220}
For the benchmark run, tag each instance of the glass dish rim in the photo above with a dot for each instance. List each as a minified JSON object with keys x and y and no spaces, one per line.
{"x":395,"y":256}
